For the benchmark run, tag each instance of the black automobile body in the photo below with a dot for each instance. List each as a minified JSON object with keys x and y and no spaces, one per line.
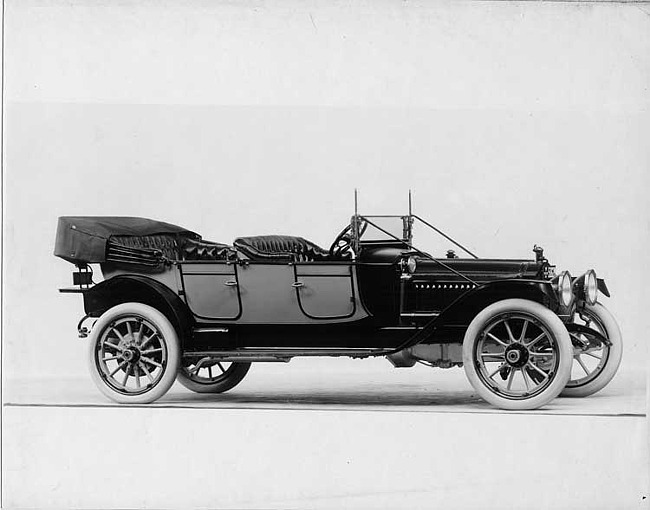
{"x":208,"y":310}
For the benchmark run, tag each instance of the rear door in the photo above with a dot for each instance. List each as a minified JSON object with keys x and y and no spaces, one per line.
{"x":212,"y":290}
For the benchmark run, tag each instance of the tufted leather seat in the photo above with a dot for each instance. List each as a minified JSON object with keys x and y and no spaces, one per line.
{"x":275,"y":247}
{"x":175,"y":247}
{"x":205,"y":250}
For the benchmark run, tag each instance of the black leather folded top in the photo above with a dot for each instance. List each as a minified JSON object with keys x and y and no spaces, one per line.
{"x":84,"y":239}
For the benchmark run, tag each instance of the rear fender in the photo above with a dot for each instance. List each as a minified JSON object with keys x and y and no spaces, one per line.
{"x":140,"y":289}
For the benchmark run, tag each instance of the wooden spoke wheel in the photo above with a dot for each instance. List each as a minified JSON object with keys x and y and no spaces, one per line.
{"x":133,"y":353}
{"x":209,"y":375}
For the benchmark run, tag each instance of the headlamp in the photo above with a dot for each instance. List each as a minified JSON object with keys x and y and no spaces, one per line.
{"x":590,"y":287}
{"x":564,"y":288}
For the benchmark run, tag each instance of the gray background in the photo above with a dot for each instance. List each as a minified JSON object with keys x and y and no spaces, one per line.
{"x":514,"y":124}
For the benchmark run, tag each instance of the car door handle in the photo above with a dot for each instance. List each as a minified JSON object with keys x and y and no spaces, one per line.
{"x":298,"y":284}
{"x":230,"y":283}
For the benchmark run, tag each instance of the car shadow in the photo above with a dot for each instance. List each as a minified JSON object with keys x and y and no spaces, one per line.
{"x":358,"y":398}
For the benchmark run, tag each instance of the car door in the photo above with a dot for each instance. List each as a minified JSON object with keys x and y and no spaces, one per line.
{"x":212,"y":290}
{"x":325,"y":290}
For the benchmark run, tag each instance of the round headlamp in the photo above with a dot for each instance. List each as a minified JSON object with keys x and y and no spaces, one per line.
{"x":591,"y":287}
{"x":564,"y":288}
{"x":411,"y":264}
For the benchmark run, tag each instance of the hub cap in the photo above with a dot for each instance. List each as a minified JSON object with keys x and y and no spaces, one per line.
{"x":517,"y":355}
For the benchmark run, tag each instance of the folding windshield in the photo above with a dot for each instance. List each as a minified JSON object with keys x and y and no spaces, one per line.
{"x":386,"y":228}
{"x":393,"y":228}
{"x":378,"y":228}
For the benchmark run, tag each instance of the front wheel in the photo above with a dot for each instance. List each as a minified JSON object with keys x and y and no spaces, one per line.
{"x":595,"y":363}
{"x":517,"y":354}
{"x":133,"y":354}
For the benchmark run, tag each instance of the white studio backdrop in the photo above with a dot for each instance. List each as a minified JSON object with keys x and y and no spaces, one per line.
{"x":514,"y":124}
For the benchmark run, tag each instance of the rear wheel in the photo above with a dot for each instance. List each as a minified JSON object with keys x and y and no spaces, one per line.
{"x":208,"y":375}
{"x":595,"y":363}
{"x":517,"y":354}
{"x":133,"y":354}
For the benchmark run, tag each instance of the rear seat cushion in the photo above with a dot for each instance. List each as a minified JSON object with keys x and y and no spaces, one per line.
{"x":178,"y":247}
{"x":276,"y":247}
{"x":205,"y":250}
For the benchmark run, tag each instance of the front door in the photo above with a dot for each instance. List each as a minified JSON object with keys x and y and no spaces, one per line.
{"x":325,"y":290}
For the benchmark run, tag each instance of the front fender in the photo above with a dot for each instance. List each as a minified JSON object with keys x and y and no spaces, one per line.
{"x":602,"y":287}
{"x":462,"y":311}
{"x":466,"y":306}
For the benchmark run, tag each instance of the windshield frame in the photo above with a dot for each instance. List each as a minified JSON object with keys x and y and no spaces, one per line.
{"x":407,"y":233}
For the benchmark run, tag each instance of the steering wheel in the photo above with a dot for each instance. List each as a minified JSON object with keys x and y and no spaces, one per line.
{"x":342,"y":245}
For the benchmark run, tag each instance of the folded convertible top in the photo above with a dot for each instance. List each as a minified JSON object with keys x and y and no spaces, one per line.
{"x":82,"y":239}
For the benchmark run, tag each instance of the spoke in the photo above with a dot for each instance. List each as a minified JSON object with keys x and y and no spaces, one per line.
{"x":195,"y":369}
{"x":119,"y":367}
{"x":111,"y":358}
{"x":592,"y":355}
{"x":582,"y":364}
{"x":151,"y":351}
{"x":210,"y":371}
{"x":537,"y":339}
{"x":510,"y":379}
{"x":147,"y":340}
{"x":126,"y":375}
{"x":150,"y":361}
{"x":113,"y":346}
{"x":221,"y":367}
{"x":129,"y":329}
{"x":494,"y":354}
{"x":140,"y":331}
{"x":119,"y":335}
{"x":542,"y":353}
{"x":490,"y":376}
{"x":146,"y":370}
{"x":510,"y":335}
{"x":136,"y":373}
{"x":523,"y":373}
{"x":500,"y":342}
{"x":523,"y":331}
{"x":529,"y":364}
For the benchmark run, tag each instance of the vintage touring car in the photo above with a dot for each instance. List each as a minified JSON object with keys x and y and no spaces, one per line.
{"x":172,"y":305}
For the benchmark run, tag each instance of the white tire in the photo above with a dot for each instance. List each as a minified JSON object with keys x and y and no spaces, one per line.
{"x":133,"y":354}
{"x":594,"y":369}
{"x":517,"y":354}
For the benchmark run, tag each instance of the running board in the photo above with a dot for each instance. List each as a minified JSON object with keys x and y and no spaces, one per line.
{"x":283,"y":354}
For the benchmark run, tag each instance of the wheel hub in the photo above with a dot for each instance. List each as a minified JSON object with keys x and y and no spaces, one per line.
{"x":131,"y":355}
{"x":516,"y":355}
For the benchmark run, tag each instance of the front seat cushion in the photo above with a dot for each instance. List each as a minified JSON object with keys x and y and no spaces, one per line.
{"x":282,"y":248}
